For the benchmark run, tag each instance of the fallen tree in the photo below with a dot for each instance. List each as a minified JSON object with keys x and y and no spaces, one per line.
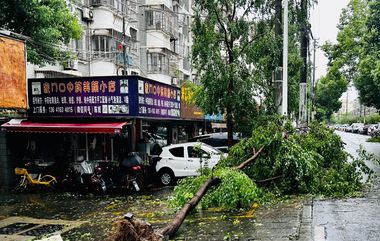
{"x":132,"y":229}
{"x":293,"y":163}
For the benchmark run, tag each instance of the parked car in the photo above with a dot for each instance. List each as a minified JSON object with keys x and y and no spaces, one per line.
{"x":348,"y":128}
{"x":181,"y":160}
{"x":343,"y":127}
{"x":356,"y":127}
{"x":373,"y":128}
{"x":375,"y":133}
{"x":363,"y":129}
{"x":154,"y":138}
{"x":217,"y":140}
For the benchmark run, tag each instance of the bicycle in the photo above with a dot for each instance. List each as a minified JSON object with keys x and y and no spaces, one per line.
{"x":27,"y":179}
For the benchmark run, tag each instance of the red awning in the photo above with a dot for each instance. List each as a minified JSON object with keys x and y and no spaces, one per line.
{"x":53,"y":127}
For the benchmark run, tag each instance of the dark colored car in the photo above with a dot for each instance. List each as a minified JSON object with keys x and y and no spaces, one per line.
{"x":218,"y":140}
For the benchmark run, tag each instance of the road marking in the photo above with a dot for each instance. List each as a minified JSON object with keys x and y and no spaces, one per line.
{"x":25,"y":228}
{"x":319,"y":233}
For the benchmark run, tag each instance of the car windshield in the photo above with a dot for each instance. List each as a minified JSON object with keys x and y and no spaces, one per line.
{"x":211,"y":149}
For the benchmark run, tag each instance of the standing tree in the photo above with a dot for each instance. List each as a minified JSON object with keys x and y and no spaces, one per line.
{"x":356,"y":55}
{"x":329,"y":90}
{"x":368,"y":82}
{"x":223,"y":33}
{"x":45,"y":24}
{"x":237,"y":46}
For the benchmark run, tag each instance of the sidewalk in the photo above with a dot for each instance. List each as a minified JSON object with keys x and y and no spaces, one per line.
{"x":96,"y":214}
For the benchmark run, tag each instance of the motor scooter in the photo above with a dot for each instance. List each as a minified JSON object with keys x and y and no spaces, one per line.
{"x":85,"y":180}
{"x":128,"y":174}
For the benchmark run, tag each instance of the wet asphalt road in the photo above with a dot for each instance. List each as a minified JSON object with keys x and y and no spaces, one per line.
{"x":354,"y":219}
{"x":331,"y":220}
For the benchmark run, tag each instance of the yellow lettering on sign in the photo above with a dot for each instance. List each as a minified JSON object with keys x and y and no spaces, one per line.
{"x":86,"y":87}
{"x":70,"y":87}
{"x":46,"y":88}
{"x":78,"y":87}
{"x":94,"y":86}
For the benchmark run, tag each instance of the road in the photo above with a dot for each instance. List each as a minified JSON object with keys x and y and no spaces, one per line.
{"x":354,"y":219}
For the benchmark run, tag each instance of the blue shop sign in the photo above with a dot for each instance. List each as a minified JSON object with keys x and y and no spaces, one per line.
{"x":218,"y":117}
{"x":102,"y":97}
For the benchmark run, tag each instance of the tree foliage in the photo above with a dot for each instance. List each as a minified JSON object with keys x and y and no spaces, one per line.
{"x":368,"y":82}
{"x":328,"y":92}
{"x":356,"y":55}
{"x":47,"y":25}
{"x":236,"y":190}
{"x":223,"y":32}
{"x":235,"y":52}
{"x":291,"y":163}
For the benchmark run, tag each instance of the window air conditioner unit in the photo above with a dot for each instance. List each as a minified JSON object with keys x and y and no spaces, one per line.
{"x":72,"y":64}
{"x":175,"y":81}
{"x":277,"y":75}
{"x":87,"y":14}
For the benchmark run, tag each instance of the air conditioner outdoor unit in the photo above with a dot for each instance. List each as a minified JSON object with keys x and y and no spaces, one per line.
{"x":277,"y":75}
{"x":72,"y":64}
{"x":175,"y":81}
{"x":87,"y":14}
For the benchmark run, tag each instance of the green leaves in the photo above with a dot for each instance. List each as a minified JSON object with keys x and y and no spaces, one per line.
{"x":291,"y":163}
{"x":235,"y":191}
{"x":295,"y":163}
{"x":356,"y":55}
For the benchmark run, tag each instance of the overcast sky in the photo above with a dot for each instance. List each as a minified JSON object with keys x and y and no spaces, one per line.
{"x":324,"y":20}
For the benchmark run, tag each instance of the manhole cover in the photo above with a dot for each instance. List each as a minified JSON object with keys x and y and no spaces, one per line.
{"x":16,"y":228}
{"x":44,"y":229}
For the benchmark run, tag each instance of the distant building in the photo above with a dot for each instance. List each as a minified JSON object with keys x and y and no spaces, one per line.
{"x":353,"y":107}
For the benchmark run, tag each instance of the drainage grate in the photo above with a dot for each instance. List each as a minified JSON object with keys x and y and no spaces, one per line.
{"x":44,"y":229}
{"x":16,"y":228}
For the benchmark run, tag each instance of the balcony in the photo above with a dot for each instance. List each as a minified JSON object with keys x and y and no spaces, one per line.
{"x":127,"y":8}
{"x":162,"y":19}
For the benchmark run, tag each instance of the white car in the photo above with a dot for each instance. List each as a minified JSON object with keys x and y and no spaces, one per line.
{"x":180,"y":160}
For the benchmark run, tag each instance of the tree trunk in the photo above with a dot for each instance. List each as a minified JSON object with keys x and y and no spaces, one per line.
{"x":172,"y":227}
{"x":230,"y":128}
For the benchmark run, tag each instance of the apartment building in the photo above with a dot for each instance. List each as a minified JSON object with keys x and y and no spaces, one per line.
{"x":153,"y":35}
{"x":165,"y":40}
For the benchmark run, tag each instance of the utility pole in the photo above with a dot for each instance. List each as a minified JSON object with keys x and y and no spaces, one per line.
{"x":347,"y":100}
{"x":313,"y":84}
{"x":124,"y":48}
{"x":285,"y":62}
{"x":303,"y":71}
{"x":277,"y":74}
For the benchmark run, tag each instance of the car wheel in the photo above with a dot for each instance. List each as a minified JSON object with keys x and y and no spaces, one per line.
{"x":166,"y":177}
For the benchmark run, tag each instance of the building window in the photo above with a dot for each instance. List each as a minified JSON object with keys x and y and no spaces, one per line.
{"x":158,"y":63}
{"x":102,"y":46}
{"x":117,"y":5}
{"x":159,"y":20}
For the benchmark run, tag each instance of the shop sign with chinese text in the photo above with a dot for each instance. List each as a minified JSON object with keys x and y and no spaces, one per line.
{"x":103,"y":96}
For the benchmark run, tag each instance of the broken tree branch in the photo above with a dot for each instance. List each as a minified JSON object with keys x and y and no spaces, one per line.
{"x":248,"y":161}
{"x":171,"y":228}
{"x":269,"y":179}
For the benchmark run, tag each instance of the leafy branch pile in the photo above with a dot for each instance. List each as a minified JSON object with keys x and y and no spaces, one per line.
{"x":291,"y":163}
{"x":236,"y":190}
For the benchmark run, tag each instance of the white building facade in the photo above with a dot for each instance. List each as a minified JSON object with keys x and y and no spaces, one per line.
{"x":153,"y":35}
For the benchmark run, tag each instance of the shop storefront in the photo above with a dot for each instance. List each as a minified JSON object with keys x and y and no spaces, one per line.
{"x":95,"y":119}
